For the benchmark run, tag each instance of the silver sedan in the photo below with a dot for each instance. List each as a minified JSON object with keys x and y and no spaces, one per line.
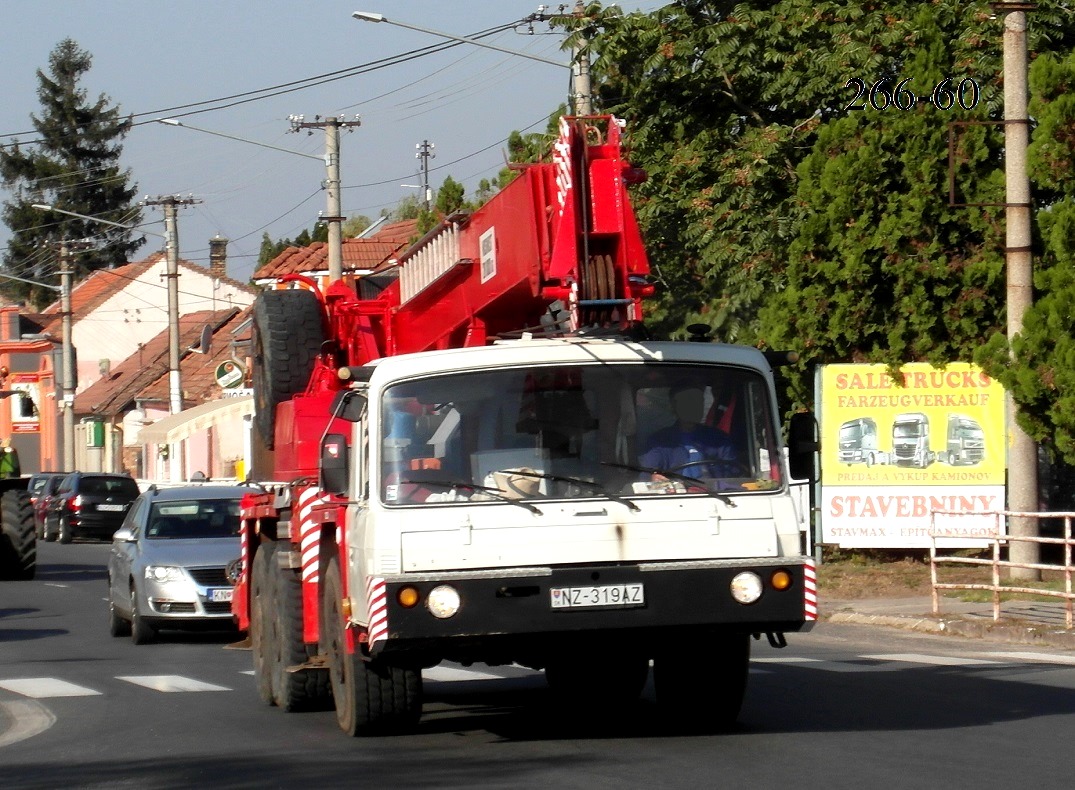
{"x":169,"y":562}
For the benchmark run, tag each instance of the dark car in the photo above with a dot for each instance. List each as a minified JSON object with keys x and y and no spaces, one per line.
{"x":172,"y":562}
{"x":42,"y":486}
{"x":89,"y":505}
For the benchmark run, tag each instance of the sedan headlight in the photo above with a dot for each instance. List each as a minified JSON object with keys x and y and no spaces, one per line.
{"x":164,"y":573}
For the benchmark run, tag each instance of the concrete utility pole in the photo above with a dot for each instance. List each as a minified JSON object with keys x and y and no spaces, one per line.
{"x":581,"y":90}
{"x":175,"y":384}
{"x":1022,"y":452}
{"x":68,"y":359}
{"x":425,"y":153}
{"x":332,"y":126}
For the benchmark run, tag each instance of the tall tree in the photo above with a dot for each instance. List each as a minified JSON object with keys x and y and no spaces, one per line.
{"x":778,"y":215}
{"x":881,"y":268}
{"x":73,"y":165}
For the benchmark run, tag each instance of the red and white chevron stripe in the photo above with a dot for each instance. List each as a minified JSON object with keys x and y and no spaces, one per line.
{"x":309,"y":532}
{"x":810,"y":590}
{"x":561,"y":157}
{"x":377,"y":608}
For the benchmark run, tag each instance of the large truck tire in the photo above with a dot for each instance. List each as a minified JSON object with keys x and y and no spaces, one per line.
{"x":262,"y":621}
{"x":307,"y":689}
{"x":371,"y":697}
{"x":18,"y":536}
{"x":288,"y":333}
{"x":704,"y":683}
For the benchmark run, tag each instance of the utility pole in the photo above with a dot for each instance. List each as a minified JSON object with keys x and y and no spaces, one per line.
{"x":1022,"y":452}
{"x":170,"y":203}
{"x":581,"y":89}
{"x":425,"y":153}
{"x":334,"y":218}
{"x":68,"y":406}
{"x":68,"y":360}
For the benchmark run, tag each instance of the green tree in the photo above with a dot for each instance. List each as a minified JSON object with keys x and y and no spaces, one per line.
{"x":778,"y":216}
{"x":270,"y":249}
{"x":881,"y":269}
{"x":73,"y":165}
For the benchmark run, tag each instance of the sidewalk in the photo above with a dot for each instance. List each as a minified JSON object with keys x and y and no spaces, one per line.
{"x":1022,"y":622}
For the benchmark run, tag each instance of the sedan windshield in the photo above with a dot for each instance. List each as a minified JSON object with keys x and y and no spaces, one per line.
{"x":577,"y":431}
{"x":196,"y":518}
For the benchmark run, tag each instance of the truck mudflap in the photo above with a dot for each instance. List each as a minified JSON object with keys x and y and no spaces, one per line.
{"x":643,"y":602}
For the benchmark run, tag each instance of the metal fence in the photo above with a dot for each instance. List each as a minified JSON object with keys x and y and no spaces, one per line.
{"x":998,"y":539}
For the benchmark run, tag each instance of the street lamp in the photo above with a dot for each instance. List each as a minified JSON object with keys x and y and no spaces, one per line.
{"x":174,"y":122}
{"x":175,"y":388}
{"x":367,"y":16}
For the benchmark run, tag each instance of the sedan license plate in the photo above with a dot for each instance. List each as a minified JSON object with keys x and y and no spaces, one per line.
{"x":111,"y":508}
{"x":220,"y":595}
{"x":604,"y":595}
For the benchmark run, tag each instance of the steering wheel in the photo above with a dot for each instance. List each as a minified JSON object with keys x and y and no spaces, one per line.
{"x":737,"y":469}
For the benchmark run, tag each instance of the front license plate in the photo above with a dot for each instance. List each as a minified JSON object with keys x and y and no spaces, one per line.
{"x":110,"y":508}
{"x":220,"y":595}
{"x":604,"y":595}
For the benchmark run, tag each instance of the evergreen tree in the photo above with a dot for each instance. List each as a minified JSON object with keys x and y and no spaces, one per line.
{"x":881,"y":268}
{"x":73,"y":165}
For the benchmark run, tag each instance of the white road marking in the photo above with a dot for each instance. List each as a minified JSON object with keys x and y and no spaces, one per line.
{"x":1048,"y":658}
{"x":43,"y":688}
{"x":170,"y":683}
{"x":921,"y":658}
{"x":785,"y":660}
{"x":57,"y":584}
{"x":443,"y":674}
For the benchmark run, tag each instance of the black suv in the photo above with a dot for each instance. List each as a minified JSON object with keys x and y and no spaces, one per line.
{"x":89,"y":504}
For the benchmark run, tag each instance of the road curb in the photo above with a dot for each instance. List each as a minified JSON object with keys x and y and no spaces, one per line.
{"x":1011,"y":631}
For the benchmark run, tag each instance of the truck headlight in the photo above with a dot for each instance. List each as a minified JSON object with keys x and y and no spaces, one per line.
{"x":443,"y":601}
{"x":746,"y":587}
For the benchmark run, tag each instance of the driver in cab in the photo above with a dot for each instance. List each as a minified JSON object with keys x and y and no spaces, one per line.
{"x":688,"y":446}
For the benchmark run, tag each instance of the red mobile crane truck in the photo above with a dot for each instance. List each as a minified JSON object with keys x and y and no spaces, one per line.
{"x":454,"y":458}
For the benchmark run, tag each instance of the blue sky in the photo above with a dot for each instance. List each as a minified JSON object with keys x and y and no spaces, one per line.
{"x":150,"y":57}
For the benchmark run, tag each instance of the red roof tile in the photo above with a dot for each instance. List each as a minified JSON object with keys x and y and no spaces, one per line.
{"x":358,"y":254}
{"x":144,"y":375}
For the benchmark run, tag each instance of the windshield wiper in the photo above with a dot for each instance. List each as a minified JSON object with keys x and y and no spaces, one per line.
{"x":595,"y":486}
{"x":692,"y":482}
{"x":495,"y":493}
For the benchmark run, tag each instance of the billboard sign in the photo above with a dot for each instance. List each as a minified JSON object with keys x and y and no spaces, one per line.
{"x":896,"y":449}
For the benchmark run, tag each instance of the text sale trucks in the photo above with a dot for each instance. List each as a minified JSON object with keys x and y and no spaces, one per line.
{"x":453,"y":470}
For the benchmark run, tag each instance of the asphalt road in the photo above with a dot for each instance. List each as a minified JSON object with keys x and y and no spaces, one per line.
{"x":845,"y":706}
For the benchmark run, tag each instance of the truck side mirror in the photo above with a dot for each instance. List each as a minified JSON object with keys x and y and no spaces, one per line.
{"x":335,"y":469}
{"x":803,"y":445}
{"x":348,"y":405}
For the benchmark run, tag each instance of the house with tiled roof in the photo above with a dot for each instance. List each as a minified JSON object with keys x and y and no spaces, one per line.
{"x":359,"y":256}
{"x":114,"y":311}
{"x":132,"y":399}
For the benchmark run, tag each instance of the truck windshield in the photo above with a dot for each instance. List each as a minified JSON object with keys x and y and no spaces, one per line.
{"x":577,"y":432}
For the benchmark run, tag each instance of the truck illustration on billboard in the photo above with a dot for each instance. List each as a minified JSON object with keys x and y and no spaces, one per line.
{"x":858,"y":442}
{"x":910,"y":440}
{"x":966,"y":441}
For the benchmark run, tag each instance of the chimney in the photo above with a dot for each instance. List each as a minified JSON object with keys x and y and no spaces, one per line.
{"x":218,"y":257}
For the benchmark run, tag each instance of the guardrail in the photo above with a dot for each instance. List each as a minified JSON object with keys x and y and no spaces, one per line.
{"x":997,"y":538}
